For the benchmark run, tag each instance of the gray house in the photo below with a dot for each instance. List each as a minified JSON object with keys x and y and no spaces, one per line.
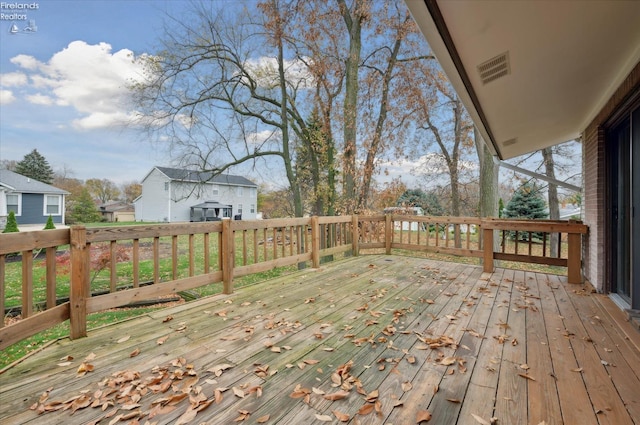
{"x":31,"y":201}
{"x":174,"y":195}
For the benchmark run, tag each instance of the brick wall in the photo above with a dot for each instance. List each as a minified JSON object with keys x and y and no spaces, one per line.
{"x":594,"y":175}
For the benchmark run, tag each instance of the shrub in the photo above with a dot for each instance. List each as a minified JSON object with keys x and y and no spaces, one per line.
{"x":12,"y":224}
{"x":49,"y":225}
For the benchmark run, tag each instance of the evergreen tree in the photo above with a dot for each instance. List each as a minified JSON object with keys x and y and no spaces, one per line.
{"x":84,"y":210}
{"x":12,"y":224}
{"x":528,"y":203}
{"x":35,"y":166}
{"x":49,"y":225}
{"x":428,"y":201}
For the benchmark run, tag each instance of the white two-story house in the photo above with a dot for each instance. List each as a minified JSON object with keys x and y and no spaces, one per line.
{"x":175,"y":195}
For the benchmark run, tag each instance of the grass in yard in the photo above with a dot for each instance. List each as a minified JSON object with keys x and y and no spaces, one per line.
{"x":36,"y":342}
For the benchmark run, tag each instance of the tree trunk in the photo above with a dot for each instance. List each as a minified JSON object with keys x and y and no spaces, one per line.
{"x":488,"y":178}
{"x":488,"y":186}
{"x":354,"y":26}
{"x":554,"y":206}
{"x":284,"y":116}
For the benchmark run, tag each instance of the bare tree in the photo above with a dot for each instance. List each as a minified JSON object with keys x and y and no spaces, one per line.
{"x":102,"y":189}
{"x":130,"y":191}
{"x":222,"y":89}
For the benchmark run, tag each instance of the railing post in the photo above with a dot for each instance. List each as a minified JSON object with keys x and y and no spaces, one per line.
{"x":80,"y":290}
{"x":228,"y":256}
{"x":388,"y":233}
{"x":574,"y":263}
{"x":487,"y":247}
{"x":315,"y":242}
{"x":27,"y":284}
{"x":355,"y":235}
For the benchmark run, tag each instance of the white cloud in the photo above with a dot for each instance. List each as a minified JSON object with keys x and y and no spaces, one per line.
{"x":265,"y":71}
{"x":13,"y":79}
{"x":26,"y":62}
{"x":6,"y":97}
{"x":89,"y":78}
{"x":431,"y":165}
{"x":40,"y":99}
{"x":101,"y":120}
{"x":260,"y":137}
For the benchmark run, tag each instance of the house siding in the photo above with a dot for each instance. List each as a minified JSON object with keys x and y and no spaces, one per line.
{"x":32,"y":210}
{"x":595,"y":190}
{"x":154,"y":204}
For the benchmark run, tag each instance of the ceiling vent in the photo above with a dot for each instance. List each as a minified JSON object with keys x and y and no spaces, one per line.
{"x":509,"y":142}
{"x":494,"y":68}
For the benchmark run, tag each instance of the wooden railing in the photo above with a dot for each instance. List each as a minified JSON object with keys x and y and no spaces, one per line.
{"x":181,"y":257}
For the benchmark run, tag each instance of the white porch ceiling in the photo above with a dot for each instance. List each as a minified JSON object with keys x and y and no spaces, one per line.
{"x":566,"y":59}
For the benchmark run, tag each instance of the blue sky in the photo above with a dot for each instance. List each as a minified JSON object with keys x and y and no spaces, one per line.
{"x":62,"y":86}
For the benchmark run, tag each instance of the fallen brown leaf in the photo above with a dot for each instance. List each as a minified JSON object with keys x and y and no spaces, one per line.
{"x":187,"y":416}
{"x":342,"y":417}
{"x":448,"y":361}
{"x":366,"y":409}
{"x":263,"y":419}
{"x":423,"y":416}
{"x":339,"y":395}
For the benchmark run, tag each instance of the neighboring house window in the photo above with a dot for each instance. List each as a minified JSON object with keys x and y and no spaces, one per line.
{"x":14,"y":203}
{"x":166,"y":186}
{"x":240,"y":191}
{"x":239,"y":208}
{"x":52,"y":205}
{"x":214,"y":190}
{"x":253,"y":208}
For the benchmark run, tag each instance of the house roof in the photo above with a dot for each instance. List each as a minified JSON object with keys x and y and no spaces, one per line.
{"x":116,"y":206}
{"x":18,"y":183}
{"x":556,"y":63}
{"x":204,"y":177}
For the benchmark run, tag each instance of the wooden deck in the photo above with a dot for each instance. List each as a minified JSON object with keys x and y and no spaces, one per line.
{"x":369,"y":340}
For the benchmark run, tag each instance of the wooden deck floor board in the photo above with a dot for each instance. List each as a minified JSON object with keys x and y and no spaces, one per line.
{"x":309,"y":313}
{"x":544,"y":404}
{"x":511,"y":396}
{"x":606,"y":402}
{"x":480,"y":398}
{"x":452,"y":389}
{"x":572,"y":392}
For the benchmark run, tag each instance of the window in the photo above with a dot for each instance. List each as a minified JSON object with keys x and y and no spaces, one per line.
{"x":14,"y":203}
{"x":214,"y":190}
{"x":166,"y":186}
{"x":52,"y":205}
{"x":253,"y":208}
{"x":239,"y":208}
{"x":240,"y":191}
